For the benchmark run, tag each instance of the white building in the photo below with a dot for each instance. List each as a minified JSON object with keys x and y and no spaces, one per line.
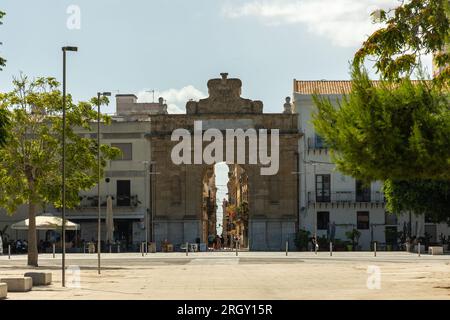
{"x":127,"y":180}
{"x":328,"y":197}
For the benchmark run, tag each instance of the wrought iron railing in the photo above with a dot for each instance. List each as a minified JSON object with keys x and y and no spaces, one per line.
{"x":87,"y":202}
{"x":346,"y":197}
{"x":316,"y":144}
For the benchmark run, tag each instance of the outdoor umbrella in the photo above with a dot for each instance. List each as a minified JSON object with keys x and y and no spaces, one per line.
{"x":46,"y":222}
{"x":109,"y":220}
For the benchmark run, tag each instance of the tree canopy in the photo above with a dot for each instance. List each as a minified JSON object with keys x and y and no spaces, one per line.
{"x":2,"y":60}
{"x":413,"y":29}
{"x":397,"y":130}
{"x":3,"y":113}
{"x":383,"y":131}
{"x":4,"y":121}
{"x":430,"y":197}
{"x":30,"y":162}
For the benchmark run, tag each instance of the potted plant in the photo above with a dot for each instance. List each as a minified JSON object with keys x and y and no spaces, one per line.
{"x":302,"y":239}
{"x":339,"y":245}
{"x":353,"y":236}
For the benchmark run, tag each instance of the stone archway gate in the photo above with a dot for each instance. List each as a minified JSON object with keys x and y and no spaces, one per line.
{"x":176,"y":200}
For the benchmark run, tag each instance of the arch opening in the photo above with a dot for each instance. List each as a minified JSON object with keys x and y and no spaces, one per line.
{"x":226,"y":207}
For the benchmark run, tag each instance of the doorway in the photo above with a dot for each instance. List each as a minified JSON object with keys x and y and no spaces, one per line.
{"x":124,"y":233}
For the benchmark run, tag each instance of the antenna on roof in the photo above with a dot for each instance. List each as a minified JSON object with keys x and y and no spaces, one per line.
{"x":152,"y":91}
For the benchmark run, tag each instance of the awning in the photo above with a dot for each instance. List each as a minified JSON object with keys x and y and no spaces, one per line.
{"x":46,"y":222}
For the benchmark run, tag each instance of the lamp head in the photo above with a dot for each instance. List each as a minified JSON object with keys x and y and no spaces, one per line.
{"x":70,"y":49}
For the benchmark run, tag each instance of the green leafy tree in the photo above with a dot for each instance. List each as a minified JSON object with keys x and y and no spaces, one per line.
{"x":397,"y":130}
{"x":4,"y":122}
{"x":430,"y":197}
{"x":413,"y":29}
{"x":3,"y":113}
{"x":2,"y":60}
{"x":30,"y":163}
{"x":383,"y":131}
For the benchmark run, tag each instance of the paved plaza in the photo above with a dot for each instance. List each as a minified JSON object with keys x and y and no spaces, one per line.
{"x":251,"y":275}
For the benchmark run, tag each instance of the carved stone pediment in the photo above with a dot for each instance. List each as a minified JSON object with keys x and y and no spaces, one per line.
{"x":224,"y":98}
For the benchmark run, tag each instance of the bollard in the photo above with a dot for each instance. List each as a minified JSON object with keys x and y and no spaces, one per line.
{"x":9,"y":251}
{"x":187,"y":249}
{"x":118,"y":248}
{"x":418,"y":248}
{"x":315,"y":247}
{"x":374,"y":249}
{"x":110,"y":249}
{"x":331,"y":249}
{"x":236,"y":244}
{"x":142,"y":248}
{"x":84,"y":248}
{"x":54,"y":249}
{"x":287,"y":248}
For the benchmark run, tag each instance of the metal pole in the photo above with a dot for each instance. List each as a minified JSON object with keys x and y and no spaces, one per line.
{"x":315,"y":207}
{"x":375,"y":249}
{"x":187,"y":249}
{"x":98,"y":183}
{"x":9,"y":251}
{"x":63,"y":238}
{"x":151,"y":203}
{"x":331,"y":249}
{"x":146,"y":208}
{"x":287,"y":248}
{"x":236,"y":244}
{"x":54,"y":249}
{"x":418,"y":249}
{"x":63,"y":229}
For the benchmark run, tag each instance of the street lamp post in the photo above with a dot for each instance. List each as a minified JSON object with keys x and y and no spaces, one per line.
{"x":99,"y":96}
{"x":63,"y":229}
{"x":146,"y":164}
{"x":152,"y":202}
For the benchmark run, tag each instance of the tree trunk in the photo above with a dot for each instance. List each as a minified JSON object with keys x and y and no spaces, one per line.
{"x":32,"y":236}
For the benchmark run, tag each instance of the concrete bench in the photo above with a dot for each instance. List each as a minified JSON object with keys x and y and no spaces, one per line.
{"x":435,"y":250}
{"x":40,"y":278}
{"x":3,"y":290}
{"x":22,"y":284}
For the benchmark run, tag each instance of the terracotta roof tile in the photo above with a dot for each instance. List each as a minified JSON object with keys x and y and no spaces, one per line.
{"x":324,"y":86}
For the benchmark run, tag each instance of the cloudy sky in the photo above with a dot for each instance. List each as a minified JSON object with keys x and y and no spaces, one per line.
{"x":175,"y":46}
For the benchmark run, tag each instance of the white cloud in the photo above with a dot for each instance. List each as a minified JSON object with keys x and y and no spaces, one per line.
{"x":175,"y":98}
{"x":345,"y":23}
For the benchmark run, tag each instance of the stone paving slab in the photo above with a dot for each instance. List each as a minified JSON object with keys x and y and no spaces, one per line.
{"x":3,"y":290}
{"x":249,"y":276}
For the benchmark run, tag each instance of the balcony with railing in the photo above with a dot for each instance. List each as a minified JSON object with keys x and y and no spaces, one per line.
{"x":346,"y":197}
{"x":90,"y":202}
{"x":317,"y":144}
